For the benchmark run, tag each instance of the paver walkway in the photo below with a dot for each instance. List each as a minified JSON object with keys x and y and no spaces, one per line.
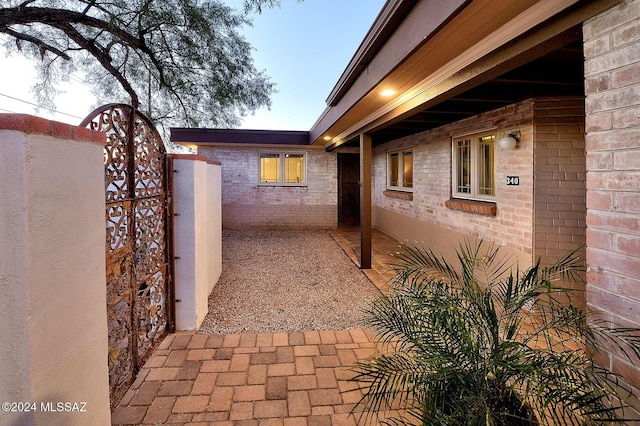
{"x":295,"y":378}
{"x":382,"y":249}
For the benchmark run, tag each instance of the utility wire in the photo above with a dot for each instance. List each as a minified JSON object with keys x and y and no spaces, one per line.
{"x":41,"y":106}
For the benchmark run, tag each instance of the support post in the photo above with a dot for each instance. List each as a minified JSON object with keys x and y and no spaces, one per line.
{"x":365,"y":201}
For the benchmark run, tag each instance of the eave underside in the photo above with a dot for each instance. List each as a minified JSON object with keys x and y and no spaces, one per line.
{"x":545,"y":61}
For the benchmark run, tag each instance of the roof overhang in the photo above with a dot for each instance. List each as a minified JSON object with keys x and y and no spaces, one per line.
{"x":464,"y":47}
{"x":389,"y":18}
{"x":238,"y":137}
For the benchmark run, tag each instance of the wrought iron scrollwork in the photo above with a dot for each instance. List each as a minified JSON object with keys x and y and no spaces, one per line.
{"x":138,"y":269}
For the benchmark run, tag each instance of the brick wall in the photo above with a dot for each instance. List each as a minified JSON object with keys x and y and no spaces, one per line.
{"x":612,"y":74}
{"x":513,"y":224}
{"x":545,"y":220}
{"x":560,"y":173}
{"x":245,"y":204}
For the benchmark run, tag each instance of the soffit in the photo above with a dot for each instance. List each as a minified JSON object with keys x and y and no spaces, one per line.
{"x":238,"y":137}
{"x":481,"y":28}
{"x":559,"y":73}
{"x":400,"y":27}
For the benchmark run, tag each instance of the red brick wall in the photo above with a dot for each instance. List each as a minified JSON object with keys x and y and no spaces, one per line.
{"x":560,"y":171}
{"x":245,"y":204}
{"x":612,"y":74}
{"x":512,"y":226}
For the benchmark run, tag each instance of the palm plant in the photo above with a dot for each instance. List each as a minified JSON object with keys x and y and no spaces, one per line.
{"x":488,"y":344}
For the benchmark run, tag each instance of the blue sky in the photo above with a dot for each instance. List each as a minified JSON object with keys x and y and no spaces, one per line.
{"x":303,"y":47}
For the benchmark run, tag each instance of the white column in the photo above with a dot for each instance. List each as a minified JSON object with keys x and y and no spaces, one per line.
{"x":53,"y":310}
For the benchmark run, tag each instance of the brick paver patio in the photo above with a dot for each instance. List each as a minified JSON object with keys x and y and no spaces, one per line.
{"x":279,"y":379}
{"x":296,"y":378}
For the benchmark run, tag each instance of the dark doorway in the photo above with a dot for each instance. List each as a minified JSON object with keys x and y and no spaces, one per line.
{"x":348,"y":190}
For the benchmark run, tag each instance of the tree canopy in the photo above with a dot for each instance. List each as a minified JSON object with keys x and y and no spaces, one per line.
{"x":182,"y":62}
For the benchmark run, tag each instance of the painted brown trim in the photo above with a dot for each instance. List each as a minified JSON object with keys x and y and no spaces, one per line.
{"x":386,"y":23}
{"x":279,"y":147}
{"x":346,"y":123}
{"x":192,"y":157}
{"x":239,"y":136}
{"x":365,"y":200}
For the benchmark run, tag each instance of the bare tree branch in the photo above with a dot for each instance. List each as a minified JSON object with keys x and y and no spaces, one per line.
{"x":187,"y":56}
{"x":102,"y":57}
{"x":41,"y":44}
{"x":53,"y":17}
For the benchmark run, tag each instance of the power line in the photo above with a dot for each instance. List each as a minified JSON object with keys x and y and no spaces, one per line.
{"x":41,"y":106}
{"x":72,"y":77}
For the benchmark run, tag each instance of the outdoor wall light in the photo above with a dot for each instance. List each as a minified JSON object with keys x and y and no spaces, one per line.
{"x":510,"y":141}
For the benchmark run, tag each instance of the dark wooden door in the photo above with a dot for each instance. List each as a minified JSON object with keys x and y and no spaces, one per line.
{"x":348,"y":190}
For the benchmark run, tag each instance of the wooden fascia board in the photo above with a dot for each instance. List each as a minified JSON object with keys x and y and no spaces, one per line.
{"x":425,"y":20}
{"x":280,"y":147}
{"x":392,"y":13}
{"x":481,"y":59}
{"x":467,"y":78}
{"x":396,"y":60}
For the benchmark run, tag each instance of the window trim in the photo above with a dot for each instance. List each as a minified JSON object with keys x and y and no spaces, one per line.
{"x":474,"y":137}
{"x":401,"y":152}
{"x":281,"y":158}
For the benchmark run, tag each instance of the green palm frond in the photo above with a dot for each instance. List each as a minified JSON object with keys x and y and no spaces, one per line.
{"x":482,"y":342}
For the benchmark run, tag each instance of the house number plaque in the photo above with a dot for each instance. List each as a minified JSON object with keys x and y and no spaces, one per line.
{"x":513,"y":180}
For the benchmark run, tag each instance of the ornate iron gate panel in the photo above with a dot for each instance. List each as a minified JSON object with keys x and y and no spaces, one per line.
{"x":138,"y":212}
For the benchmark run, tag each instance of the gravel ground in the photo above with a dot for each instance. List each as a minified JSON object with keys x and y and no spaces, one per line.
{"x":289,"y":280}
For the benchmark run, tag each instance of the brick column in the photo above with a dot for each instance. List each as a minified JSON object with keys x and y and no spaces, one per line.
{"x":612,"y":73}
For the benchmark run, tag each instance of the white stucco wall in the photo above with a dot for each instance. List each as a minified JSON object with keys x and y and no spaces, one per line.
{"x":52,"y":278}
{"x":15,"y":353}
{"x":214,"y":193}
{"x":197,"y":237}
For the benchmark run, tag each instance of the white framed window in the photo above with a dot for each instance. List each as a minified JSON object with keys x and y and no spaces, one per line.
{"x":400,"y":169}
{"x":474,"y":167}
{"x":283,"y":168}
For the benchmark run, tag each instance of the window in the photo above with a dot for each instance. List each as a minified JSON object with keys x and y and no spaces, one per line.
{"x":288,"y":168}
{"x":474,"y":167}
{"x":400,"y":167}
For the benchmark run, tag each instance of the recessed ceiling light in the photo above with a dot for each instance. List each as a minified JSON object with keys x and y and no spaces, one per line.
{"x":327,"y":138}
{"x":388,"y":92}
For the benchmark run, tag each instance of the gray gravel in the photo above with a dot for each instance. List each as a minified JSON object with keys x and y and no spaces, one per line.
{"x":286,"y":280}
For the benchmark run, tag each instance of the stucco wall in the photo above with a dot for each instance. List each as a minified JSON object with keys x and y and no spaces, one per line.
{"x":197,"y":237}
{"x":15,"y":351}
{"x":427,"y":219}
{"x":214,"y":208}
{"x":53,"y":308}
{"x":612,"y":73}
{"x":245,"y":204}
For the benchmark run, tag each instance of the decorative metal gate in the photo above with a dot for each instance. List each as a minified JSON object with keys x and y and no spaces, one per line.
{"x":138,"y":212}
